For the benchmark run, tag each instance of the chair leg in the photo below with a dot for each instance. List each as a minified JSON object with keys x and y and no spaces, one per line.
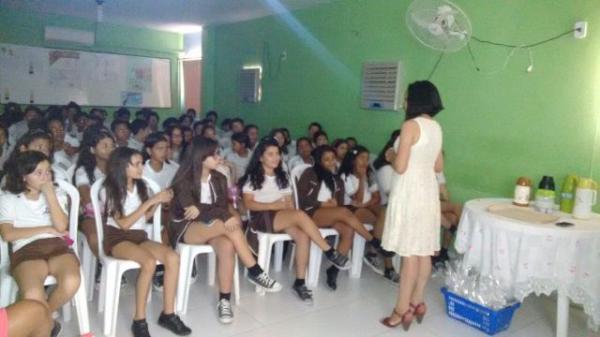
{"x":112,"y":288}
{"x":66,"y":311}
{"x":358,"y":250}
{"x":183,"y":284}
{"x":236,"y":281}
{"x":292,"y":257}
{"x":212,"y":266}
{"x":314,"y":265}
{"x":89,"y":269}
{"x":264,"y":246}
{"x":278,"y":259}
{"x":102,"y":292}
{"x":81,"y":308}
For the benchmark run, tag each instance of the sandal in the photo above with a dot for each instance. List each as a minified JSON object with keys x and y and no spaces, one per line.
{"x":420,"y":310}
{"x":405,"y":319}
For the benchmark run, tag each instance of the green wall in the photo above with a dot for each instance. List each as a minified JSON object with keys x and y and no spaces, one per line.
{"x":27,"y":28}
{"x":498,"y":124}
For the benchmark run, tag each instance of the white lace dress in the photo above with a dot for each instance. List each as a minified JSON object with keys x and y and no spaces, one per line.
{"x":412,"y":224}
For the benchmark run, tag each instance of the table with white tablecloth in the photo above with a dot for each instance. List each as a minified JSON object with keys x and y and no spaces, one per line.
{"x":530,"y":257}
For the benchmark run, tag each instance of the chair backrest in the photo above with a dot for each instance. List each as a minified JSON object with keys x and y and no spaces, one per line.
{"x":98,"y":208}
{"x":74,"y":201}
{"x":295,"y":177}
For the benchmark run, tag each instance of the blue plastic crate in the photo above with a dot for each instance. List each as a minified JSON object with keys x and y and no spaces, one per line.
{"x":476,"y":315}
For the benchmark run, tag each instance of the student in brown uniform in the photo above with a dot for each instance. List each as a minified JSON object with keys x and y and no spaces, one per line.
{"x":201,"y":214}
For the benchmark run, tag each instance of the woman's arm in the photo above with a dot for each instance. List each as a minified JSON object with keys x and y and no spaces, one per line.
{"x":439,"y":163}
{"x":251,"y":204}
{"x":10,"y":233}
{"x":59,"y":218}
{"x":145,"y":209}
{"x":408,"y":136}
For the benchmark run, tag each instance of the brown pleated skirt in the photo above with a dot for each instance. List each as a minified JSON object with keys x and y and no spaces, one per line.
{"x":42,"y":249}
{"x":113,"y":236}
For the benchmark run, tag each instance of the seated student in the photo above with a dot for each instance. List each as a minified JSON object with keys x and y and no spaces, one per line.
{"x":139,"y":131}
{"x":384,"y":172}
{"x":36,"y":140}
{"x":18,"y":129}
{"x":34,"y":220}
{"x":320,"y":138}
{"x":213,"y":116}
{"x":239,"y":155}
{"x":96,"y":147}
{"x":313,"y":128}
{"x":289,"y":143}
{"x":237,"y":125}
{"x":198,"y":126}
{"x":202,"y":214}
{"x":188,"y":134}
{"x":363,"y":199}
{"x":122,"y":114}
{"x":341,"y":148}
{"x":451,"y":213}
{"x":61,"y":156}
{"x":128,"y":205}
{"x":5,"y":147}
{"x":251,"y":131}
{"x":152,"y":119}
{"x":120,"y":130}
{"x":81,"y":121}
{"x":268,"y":196}
{"x":304,"y":149}
{"x":186,"y":120}
{"x":15,"y":320}
{"x":175,"y":134}
{"x":208,"y":131}
{"x":351,"y":141}
{"x":158,"y":167}
{"x":321,"y":195}
{"x":278,"y":135}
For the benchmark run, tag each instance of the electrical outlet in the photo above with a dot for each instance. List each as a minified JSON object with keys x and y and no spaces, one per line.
{"x":283,"y":55}
{"x":580,"y":29}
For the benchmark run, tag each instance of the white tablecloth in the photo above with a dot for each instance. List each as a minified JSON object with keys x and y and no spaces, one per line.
{"x":534,"y":258}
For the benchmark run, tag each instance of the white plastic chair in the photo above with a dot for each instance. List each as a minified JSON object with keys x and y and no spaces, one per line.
{"x":113,"y":269}
{"x":9,"y":288}
{"x":187,"y":258}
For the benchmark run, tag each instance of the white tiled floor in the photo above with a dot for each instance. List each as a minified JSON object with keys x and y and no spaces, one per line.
{"x":353,"y":310}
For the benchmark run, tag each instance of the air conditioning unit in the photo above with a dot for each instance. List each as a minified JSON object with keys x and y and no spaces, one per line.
{"x":381,"y":86}
{"x":250,"y":86}
{"x":60,"y":34}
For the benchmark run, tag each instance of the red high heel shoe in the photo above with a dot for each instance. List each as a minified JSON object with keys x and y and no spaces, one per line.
{"x":420,"y":310}
{"x":405,"y":319}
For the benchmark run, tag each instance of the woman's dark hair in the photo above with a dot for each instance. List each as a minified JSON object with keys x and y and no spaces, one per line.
{"x":347,"y":166}
{"x":272,"y":134}
{"x":255,"y":173}
{"x":323,"y":174}
{"x":170,"y":130}
{"x":122,"y":113}
{"x":339,"y":141}
{"x":319,"y":134}
{"x":226,"y":123}
{"x":117,"y":122}
{"x":241,"y":138}
{"x":315,"y":124}
{"x":422,"y":97}
{"x":286,"y":136}
{"x":116,"y":180}
{"x":184,"y":117}
{"x":189,"y":174}
{"x":153,"y":139}
{"x":212,"y":113}
{"x":302,"y":139}
{"x":250,"y":126}
{"x":24,"y":164}
{"x":27,"y":139}
{"x":91,"y":137}
{"x":138,"y":125}
{"x":169,"y":123}
{"x":380,"y":161}
{"x":206,"y":127}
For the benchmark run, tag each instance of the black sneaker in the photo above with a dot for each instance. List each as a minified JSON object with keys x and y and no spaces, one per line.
{"x":391,"y":275}
{"x":371,"y":260}
{"x":339,"y":260}
{"x":332,"y":274}
{"x":140,"y":328}
{"x":55,"y":329}
{"x":385,"y":253}
{"x":263,"y":280}
{"x":157,"y":281}
{"x":304,"y":293}
{"x":174,"y":324}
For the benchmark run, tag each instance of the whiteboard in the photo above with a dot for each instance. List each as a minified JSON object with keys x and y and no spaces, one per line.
{"x":33,"y":75}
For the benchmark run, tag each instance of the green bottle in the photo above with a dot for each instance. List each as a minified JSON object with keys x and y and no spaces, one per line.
{"x":567,"y":193}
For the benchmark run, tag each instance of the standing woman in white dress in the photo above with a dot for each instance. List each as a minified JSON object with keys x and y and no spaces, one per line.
{"x":412,"y":227}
